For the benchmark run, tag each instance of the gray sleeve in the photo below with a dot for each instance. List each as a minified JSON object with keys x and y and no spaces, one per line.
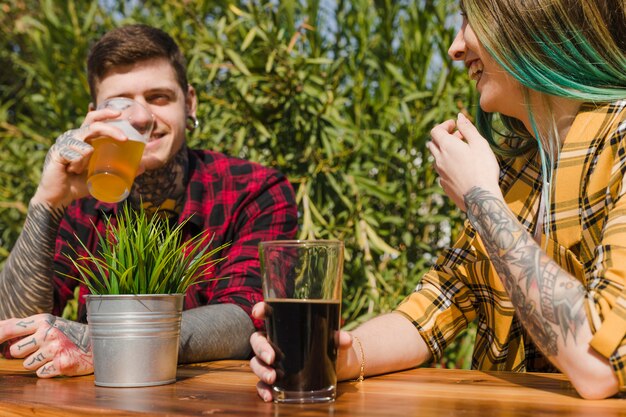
{"x":212,"y":332}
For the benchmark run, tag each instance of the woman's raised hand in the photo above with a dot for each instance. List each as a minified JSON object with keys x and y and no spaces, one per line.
{"x":463,"y":159}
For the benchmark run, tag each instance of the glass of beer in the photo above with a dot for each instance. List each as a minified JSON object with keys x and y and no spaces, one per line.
{"x":302,"y":290}
{"x":113,"y":164}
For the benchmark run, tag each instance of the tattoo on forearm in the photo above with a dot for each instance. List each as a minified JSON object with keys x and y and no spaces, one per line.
{"x":548,"y":301}
{"x":568,"y":298}
{"x":77,"y":333}
{"x":25,"y":281}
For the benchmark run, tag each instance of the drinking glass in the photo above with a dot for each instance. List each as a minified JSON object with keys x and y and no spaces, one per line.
{"x":113,"y":164}
{"x":302,"y":289}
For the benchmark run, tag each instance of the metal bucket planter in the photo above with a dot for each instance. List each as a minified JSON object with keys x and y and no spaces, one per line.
{"x":134,"y":338}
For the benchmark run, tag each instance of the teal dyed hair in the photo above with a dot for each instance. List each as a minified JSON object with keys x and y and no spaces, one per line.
{"x":568,"y":48}
{"x":574,"y":49}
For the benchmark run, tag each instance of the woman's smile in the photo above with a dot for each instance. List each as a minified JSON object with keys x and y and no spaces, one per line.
{"x":475,"y":69}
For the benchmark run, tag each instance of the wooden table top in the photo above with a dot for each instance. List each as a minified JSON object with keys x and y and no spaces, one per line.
{"x":228,"y":388}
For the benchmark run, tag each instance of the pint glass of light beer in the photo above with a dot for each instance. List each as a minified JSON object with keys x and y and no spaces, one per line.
{"x":113,"y":164}
{"x":302,"y":291}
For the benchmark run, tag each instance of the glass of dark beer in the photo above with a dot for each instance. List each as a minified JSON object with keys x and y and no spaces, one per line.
{"x":302,"y":290}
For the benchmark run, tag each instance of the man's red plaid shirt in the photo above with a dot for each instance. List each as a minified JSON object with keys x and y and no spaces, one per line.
{"x":241,"y":202}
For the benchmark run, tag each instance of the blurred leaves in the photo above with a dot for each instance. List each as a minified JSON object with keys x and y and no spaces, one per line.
{"x":339,"y":95}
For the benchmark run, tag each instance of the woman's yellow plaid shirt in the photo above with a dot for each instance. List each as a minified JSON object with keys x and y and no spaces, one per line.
{"x":587,"y":237}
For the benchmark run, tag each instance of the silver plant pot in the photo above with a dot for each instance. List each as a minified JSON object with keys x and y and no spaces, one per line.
{"x":134,"y":338}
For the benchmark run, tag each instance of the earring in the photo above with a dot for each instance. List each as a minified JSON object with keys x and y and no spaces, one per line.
{"x":192,"y":123}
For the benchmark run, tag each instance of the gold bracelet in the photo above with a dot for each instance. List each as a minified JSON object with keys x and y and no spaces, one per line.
{"x":362,"y":369}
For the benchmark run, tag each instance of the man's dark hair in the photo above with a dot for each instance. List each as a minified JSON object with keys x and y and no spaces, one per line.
{"x":129,"y":45}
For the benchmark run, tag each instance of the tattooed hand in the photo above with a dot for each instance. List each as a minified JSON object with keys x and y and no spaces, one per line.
{"x":463,"y":159}
{"x":50,"y":345}
{"x":65,"y":169}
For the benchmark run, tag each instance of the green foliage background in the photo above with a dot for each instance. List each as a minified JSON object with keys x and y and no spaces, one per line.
{"x":338,"y":95}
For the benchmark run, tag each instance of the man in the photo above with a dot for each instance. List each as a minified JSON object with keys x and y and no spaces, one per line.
{"x":240,"y":202}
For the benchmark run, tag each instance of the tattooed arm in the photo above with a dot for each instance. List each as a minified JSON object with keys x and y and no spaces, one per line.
{"x":25,"y":281}
{"x":547,"y":299}
{"x":50,"y":345}
{"x":25,"y":286}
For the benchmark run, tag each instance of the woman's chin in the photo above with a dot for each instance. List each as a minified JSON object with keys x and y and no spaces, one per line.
{"x":486,"y":104}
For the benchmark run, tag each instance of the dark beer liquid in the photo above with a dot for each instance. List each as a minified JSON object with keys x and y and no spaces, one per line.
{"x":303,"y":334}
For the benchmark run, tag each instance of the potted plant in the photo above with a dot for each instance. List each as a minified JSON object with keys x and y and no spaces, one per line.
{"x":137,"y":282}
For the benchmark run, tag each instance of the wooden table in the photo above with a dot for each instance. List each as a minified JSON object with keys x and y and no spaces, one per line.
{"x":228,"y":388}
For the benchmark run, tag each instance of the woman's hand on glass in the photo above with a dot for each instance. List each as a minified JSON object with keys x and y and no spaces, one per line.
{"x":262,"y":364}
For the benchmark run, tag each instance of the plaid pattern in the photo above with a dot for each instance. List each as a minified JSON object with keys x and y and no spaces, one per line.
{"x":587,"y":224}
{"x":239,"y":201}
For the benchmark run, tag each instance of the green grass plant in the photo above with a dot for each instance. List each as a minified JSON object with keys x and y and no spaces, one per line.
{"x":141,"y":254}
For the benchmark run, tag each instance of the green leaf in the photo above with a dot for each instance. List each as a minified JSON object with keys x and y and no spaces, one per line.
{"x":269,"y":64}
{"x":237,"y":61}
{"x":396,"y":73}
{"x":248,"y":39}
{"x":319,"y":61}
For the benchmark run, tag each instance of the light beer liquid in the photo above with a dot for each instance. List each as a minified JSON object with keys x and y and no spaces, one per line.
{"x":113,"y":167}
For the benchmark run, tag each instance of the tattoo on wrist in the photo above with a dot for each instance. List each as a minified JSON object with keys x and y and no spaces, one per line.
{"x":77,"y":333}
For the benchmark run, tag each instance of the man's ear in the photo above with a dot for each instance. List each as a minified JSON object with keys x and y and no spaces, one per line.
{"x":191,"y":101}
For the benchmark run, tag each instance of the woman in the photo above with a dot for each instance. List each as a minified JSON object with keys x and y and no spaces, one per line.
{"x":541,"y":266}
